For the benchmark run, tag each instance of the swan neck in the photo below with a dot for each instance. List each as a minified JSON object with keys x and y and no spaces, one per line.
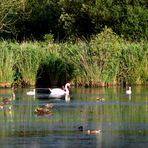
{"x":66,"y":89}
{"x":130,"y":88}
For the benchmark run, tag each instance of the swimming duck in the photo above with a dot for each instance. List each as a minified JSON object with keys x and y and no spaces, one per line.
{"x":2,"y":103}
{"x":48,"y":105}
{"x":42,"y":111}
{"x":100,"y":99}
{"x":89,"y":131}
{"x":93,"y":131}
{"x":6,"y":101}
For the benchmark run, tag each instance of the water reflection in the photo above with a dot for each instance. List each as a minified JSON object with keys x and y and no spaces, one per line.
{"x":122,"y":119}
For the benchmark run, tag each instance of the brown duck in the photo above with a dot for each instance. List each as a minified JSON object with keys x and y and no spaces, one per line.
{"x":44,"y":110}
{"x":100,"y":99}
{"x":6,"y":101}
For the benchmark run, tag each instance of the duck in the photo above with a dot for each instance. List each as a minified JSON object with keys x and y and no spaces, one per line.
{"x":31,"y":93}
{"x":58,"y":92}
{"x":129,"y":92}
{"x":48,"y":105}
{"x":6,"y":101}
{"x":41,"y":110}
{"x":2,"y":103}
{"x":100,"y":99}
{"x":44,"y":110}
{"x":89,"y":131}
{"x":93,"y":131}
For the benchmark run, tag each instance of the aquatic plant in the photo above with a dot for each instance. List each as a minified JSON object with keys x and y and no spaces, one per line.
{"x":133,"y":63}
{"x":55,"y":69}
{"x":28,"y":58}
{"x":6,"y":62}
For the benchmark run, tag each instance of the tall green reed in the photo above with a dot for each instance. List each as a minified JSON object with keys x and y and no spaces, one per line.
{"x":6,"y":62}
{"x":77,"y":54}
{"x":133,"y":62}
{"x":56,"y":65}
{"x":28,"y":58}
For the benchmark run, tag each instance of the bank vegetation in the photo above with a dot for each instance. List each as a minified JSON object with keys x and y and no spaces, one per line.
{"x":105,"y":60}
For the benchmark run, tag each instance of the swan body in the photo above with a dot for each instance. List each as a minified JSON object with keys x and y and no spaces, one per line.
{"x":58,"y":92}
{"x":129,"y":92}
{"x":31,"y":93}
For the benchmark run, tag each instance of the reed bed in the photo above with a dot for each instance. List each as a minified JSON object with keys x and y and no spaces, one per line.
{"x":29,"y":59}
{"x":133,"y":62}
{"x":106,"y":60}
{"x":6,"y":63}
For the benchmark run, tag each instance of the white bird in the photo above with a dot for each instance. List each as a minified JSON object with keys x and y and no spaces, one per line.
{"x":129,"y":92}
{"x":31,"y":93}
{"x":67,"y":98}
{"x":58,"y":92}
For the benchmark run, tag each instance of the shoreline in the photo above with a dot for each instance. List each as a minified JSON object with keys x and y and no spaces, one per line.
{"x":95,"y":85}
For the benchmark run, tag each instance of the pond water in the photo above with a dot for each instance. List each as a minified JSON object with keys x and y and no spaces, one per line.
{"x":122,"y":119}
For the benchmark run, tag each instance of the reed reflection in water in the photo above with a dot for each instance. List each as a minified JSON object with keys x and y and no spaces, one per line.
{"x":122,"y":119}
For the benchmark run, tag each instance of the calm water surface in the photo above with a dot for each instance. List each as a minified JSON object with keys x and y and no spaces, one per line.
{"x":122,"y":119}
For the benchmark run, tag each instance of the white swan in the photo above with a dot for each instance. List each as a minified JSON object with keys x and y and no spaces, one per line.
{"x":31,"y":93}
{"x":129,"y":92}
{"x":58,"y":92}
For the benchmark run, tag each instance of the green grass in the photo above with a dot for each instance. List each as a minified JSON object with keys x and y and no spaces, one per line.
{"x":6,"y":63}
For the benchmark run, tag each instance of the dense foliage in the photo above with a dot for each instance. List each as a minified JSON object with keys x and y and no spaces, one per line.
{"x":69,"y":19}
{"x":106,"y":60}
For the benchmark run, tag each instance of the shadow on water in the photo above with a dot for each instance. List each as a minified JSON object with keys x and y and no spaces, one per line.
{"x":122,"y":119}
